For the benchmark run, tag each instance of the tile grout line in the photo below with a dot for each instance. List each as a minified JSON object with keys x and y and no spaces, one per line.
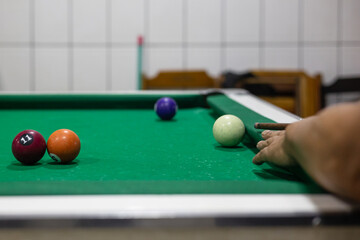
{"x":179,"y":45}
{"x":262,"y":10}
{"x":223,"y":31}
{"x":185,"y":35}
{"x":301,"y":27}
{"x":32,"y":50}
{"x":70,"y":46}
{"x":146,"y":52}
{"x":339,"y":44}
{"x":339,"y":38}
{"x":108,"y":60}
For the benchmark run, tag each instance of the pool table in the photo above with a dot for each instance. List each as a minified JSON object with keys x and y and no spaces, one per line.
{"x":134,"y":168}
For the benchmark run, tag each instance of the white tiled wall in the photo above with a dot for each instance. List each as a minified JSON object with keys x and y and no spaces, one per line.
{"x":203,"y":22}
{"x":89,"y":21}
{"x":51,"y":21}
{"x":281,"y":58}
{"x":163,"y":58}
{"x":51,"y":69}
{"x":195,"y":59}
{"x":165,"y":21}
{"x":238,"y":58}
{"x":76,"y":45}
{"x":242,"y":21}
{"x":123,"y":67}
{"x":89,"y":69}
{"x":14,"y":21}
{"x":350,"y":59}
{"x":15,"y":69}
{"x":325,"y":28}
{"x":281,"y":21}
{"x":350,"y":15}
{"x":324,"y":58}
{"x":126,"y":20}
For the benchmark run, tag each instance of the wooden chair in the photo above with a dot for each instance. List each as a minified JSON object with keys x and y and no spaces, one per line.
{"x":294,"y":91}
{"x":180,"y":80}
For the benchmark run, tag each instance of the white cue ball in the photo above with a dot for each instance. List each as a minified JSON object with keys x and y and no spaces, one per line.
{"x":228,"y":130}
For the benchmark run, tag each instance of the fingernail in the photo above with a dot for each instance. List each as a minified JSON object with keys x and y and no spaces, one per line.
{"x":265,"y":132}
{"x":256,"y":163}
{"x":258,"y":145}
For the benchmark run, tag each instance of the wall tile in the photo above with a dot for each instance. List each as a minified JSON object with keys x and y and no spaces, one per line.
{"x":89,"y":69}
{"x":203,"y":21}
{"x":207,"y":59}
{"x":160,"y":59}
{"x":124,"y":69}
{"x":331,"y":99}
{"x":321,"y":60}
{"x":281,"y":20}
{"x":350,"y":61}
{"x":127,"y":20}
{"x":335,"y":98}
{"x":51,"y":70}
{"x":350,"y":97}
{"x":320,"y":20}
{"x":14,"y":21}
{"x":242,"y":20}
{"x":51,"y":21}
{"x":165,"y":21}
{"x":89,"y":18}
{"x":281,"y":58}
{"x":350,"y":20}
{"x":14,"y":69}
{"x":241,"y":59}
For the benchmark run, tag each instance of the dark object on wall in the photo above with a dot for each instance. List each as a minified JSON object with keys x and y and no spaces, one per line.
{"x":340,"y":86}
{"x":231,"y":79}
{"x":239,"y":80}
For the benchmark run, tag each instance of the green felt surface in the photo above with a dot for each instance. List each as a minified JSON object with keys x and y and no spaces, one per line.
{"x":126,"y":149}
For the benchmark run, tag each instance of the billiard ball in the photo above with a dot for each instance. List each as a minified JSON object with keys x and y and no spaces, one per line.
{"x":28,"y":147}
{"x":63,"y":145}
{"x":166,"y":108}
{"x":228,"y":130}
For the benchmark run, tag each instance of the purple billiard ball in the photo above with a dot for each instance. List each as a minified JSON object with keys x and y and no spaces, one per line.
{"x":166,"y":108}
{"x":28,"y":147}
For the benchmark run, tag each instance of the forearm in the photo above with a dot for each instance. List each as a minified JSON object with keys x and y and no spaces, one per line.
{"x":327,"y":148}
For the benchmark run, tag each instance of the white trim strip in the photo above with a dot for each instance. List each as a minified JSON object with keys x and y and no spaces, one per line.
{"x":263,"y":108}
{"x":169,"y":206}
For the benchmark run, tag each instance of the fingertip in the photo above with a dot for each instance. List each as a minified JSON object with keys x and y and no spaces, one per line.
{"x":256,"y":160}
{"x":258,"y":145}
{"x":258,"y":163}
{"x":265,"y":133}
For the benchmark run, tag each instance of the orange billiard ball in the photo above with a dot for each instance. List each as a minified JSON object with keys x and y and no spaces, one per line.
{"x":63,"y":145}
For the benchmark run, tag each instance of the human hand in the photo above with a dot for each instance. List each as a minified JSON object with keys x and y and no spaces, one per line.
{"x":273,"y":149}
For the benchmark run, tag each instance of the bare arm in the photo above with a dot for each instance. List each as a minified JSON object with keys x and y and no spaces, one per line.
{"x":326,"y":146}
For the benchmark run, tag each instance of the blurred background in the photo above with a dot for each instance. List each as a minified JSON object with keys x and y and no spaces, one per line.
{"x":92,"y":45}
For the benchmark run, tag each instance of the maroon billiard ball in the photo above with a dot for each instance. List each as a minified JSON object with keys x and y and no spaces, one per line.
{"x":28,"y":147}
